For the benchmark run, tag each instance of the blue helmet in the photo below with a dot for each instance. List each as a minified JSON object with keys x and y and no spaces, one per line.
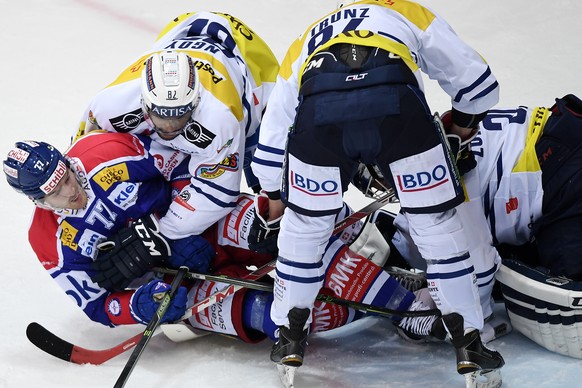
{"x":34,"y":168}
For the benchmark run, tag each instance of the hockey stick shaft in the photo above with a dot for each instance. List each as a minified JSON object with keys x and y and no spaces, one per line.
{"x":60,"y":348}
{"x":255,"y":285}
{"x":50,"y":343}
{"x":151,"y":327}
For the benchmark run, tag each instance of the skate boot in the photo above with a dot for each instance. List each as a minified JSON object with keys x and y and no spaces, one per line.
{"x":288,"y":351}
{"x":290,"y":347}
{"x":421,"y":328}
{"x":474,"y":359}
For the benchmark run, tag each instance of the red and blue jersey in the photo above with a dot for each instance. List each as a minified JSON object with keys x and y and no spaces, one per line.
{"x":125,"y":177}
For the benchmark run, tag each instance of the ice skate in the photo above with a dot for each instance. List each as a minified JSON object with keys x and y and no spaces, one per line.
{"x":409,"y":279}
{"x":289,"y":350}
{"x":479,"y":364}
{"x":423,"y":328}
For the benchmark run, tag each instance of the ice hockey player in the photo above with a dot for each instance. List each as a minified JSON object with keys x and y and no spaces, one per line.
{"x":201,"y":90}
{"x":84,"y":200}
{"x":104,"y":182}
{"x":350,"y":91}
{"x":524,"y":198}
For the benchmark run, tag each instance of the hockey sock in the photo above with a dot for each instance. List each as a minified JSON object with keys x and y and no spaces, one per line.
{"x":256,"y":313}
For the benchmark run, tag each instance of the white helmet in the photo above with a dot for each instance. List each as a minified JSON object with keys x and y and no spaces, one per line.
{"x":170,"y":87}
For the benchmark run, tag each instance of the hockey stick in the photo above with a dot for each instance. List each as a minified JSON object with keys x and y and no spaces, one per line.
{"x":151,"y":327}
{"x":256,"y":285}
{"x":57,"y":347}
{"x":60,"y":348}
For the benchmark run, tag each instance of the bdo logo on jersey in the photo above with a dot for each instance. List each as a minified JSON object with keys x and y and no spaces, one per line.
{"x":314,"y":187}
{"x":423,"y":180}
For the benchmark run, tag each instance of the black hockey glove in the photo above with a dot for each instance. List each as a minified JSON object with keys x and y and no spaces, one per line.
{"x":460,"y":149}
{"x":129,"y":254}
{"x":263,"y":234}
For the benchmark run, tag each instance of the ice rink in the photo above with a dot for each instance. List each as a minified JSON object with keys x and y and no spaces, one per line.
{"x":57,"y":54}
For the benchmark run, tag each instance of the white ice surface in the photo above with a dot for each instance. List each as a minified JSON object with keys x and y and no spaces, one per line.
{"x":56,"y":54}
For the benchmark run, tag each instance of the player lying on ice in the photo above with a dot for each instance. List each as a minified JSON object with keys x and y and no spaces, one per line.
{"x":93,"y":232}
{"x":524,"y":198}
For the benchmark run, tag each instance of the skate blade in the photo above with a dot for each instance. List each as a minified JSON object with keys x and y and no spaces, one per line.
{"x":482,"y":379}
{"x":287,"y":375}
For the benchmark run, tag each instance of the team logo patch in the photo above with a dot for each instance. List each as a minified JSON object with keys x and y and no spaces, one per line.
{"x":68,"y":234}
{"x":114,"y":307}
{"x":110,"y":175}
{"x":207,"y":171}
{"x":198,"y":135}
{"x":127,"y":121}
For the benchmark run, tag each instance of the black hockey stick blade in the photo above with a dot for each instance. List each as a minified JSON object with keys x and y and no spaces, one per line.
{"x":48,"y":342}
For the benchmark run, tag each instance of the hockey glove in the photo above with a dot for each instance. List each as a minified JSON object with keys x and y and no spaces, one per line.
{"x":195,"y":252}
{"x":460,"y":149}
{"x":146,"y":300}
{"x":263,"y":233}
{"x":129,"y":254}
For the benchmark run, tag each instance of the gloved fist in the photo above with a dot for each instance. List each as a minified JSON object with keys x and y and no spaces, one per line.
{"x":263,"y":234}
{"x":146,"y":300}
{"x":460,"y":149}
{"x":129,"y":254}
{"x":194,"y":252}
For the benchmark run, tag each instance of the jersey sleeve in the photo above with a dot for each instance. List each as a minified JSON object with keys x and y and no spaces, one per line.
{"x":58,"y":254}
{"x":278,"y":119}
{"x":460,"y":71}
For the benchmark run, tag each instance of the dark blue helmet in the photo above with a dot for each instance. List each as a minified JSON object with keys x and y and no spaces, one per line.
{"x":34,"y":168}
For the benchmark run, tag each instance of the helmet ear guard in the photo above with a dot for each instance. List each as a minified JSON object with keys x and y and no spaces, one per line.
{"x":34,"y":168}
{"x":170,"y":87}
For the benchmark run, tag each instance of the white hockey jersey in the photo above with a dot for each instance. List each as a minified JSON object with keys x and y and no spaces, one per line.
{"x":507,"y":183}
{"x":419,"y":36}
{"x":503,"y":193}
{"x":237,"y":71}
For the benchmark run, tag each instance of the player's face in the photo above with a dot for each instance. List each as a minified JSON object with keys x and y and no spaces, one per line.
{"x":169,"y":128}
{"x":68,"y":194}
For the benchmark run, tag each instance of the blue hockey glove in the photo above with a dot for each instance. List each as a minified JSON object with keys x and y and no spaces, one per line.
{"x":195,"y":252}
{"x":146,"y":300}
{"x":263,"y":234}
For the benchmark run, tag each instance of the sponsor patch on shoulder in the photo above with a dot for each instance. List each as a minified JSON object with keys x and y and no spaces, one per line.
{"x":196,"y":134}
{"x":110,"y":175}
{"x":127,"y":121}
